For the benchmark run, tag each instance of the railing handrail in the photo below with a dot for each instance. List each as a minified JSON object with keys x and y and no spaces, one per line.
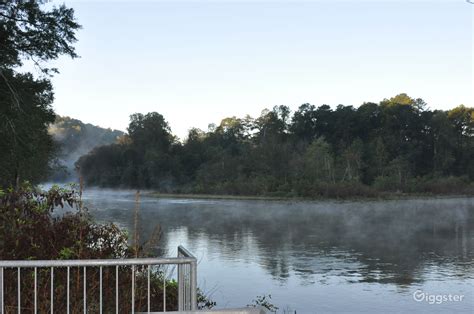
{"x":185,"y":261}
{"x":95,"y":262}
{"x":185,"y":252}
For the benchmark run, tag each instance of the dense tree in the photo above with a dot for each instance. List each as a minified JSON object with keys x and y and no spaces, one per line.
{"x":396,"y":145}
{"x":442,"y":134}
{"x":462,"y":119}
{"x":25,"y":143}
{"x":142,"y":159}
{"x":75,"y":139}
{"x":303,"y":123}
{"x":29,"y":33}
{"x":319,"y":162}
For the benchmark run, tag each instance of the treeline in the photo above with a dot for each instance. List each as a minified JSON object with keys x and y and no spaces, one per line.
{"x":74,"y":139}
{"x":395,"y":145}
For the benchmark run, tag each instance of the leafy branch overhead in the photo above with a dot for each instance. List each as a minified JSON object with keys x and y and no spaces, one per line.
{"x":30,"y":31}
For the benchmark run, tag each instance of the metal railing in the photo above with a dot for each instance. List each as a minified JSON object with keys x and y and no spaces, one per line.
{"x":27,"y":273}
{"x":187,"y":282}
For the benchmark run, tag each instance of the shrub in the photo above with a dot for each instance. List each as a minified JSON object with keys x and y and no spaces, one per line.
{"x":440,"y":185}
{"x":30,"y":231}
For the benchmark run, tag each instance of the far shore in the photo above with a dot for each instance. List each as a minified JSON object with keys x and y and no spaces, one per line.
{"x":382,"y":197}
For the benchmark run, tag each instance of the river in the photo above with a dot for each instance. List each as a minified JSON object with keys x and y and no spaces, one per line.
{"x":315,"y":257}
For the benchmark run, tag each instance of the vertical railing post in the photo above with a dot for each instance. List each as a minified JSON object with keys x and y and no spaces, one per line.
{"x":52,"y":290}
{"x":19,"y":290}
{"x":85,"y":291}
{"x":193,"y":283}
{"x":1,"y":291}
{"x":36,"y":291}
{"x":186,"y":286}
{"x":180,"y":288}
{"x":67,"y":289}
{"x":148,"y":289}
{"x":187,"y":282}
{"x":164,"y":291}
{"x":116,"y":289}
{"x":133,"y":289}
{"x":100,"y":289}
{"x":180,"y":284}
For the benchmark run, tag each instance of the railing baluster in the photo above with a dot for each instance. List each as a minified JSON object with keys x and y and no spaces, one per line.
{"x":148,"y":284}
{"x":180,"y":288}
{"x":67,"y":289}
{"x":52,"y":290}
{"x":185,"y":287}
{"x":185,"y":262}
{"x":19,"y":290}
{"x":189,"y":286}
{"x":100,"y":270}
{"x":164,"y":290}
{"x":1,"y":294}
{"x":85,"y":290}
{"x":116,"y":289}
{"x":193,"y":283}
{"x":133,"y":289}
{"x":36,"y":298}
{"x":188,"y":282}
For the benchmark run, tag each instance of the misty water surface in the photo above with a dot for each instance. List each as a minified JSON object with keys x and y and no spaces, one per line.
{"x":315,"y":257}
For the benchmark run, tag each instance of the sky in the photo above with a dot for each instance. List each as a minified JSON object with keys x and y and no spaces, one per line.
{"x":197,"y":62}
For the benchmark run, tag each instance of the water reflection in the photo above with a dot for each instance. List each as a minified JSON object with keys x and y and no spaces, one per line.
{"x":399,"y":243}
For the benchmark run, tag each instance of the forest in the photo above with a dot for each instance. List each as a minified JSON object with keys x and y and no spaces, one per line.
{"x":73,"y":139}
{"x":398,"y":145}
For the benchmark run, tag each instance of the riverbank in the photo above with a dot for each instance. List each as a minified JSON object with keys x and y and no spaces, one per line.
{"x":386,"y":196}
{"x":351,"y":191}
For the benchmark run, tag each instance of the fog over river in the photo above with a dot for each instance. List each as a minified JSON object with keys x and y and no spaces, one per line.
{"x":315,"y":257}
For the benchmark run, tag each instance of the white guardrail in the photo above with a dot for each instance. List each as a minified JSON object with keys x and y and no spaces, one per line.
{"x":28,"y":273}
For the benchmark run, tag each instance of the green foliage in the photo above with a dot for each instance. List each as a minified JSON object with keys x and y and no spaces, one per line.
{"x":440,"y":185}
{"x":76,"y":139}
{"x":145,"y":160}
{"x":26,"y":146}
{"x":316,"y":152}
{"x":29,"y":229}
{"x":319,"y":162}
{"x":265,"y":302}
{"x":29,"y":32}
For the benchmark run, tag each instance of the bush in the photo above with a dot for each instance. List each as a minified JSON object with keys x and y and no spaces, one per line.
{"x":30,"y":231}
{"x":440,"y":185}
{"x":387,"y":183}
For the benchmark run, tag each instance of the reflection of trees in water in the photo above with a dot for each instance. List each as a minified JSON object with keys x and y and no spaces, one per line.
{"x":383,"y":242}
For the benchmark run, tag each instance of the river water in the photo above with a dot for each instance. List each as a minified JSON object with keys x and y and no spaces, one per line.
{"x":316,"y":257}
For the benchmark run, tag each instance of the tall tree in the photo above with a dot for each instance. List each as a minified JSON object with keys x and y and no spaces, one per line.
{"x":319,"y":162}
{"x":28,"y":32}
{"x":462,"y":119}
{"x":303,"y":123}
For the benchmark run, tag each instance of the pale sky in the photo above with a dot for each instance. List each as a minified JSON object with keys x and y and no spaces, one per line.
{"x":196,"y":62}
